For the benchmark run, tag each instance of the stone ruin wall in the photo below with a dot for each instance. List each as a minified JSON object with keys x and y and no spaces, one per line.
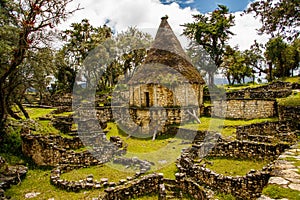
{"x":147,"y":120}
{"x":244,"y":108}
{"x":239,"y":149}
{"x":291,"y":113}
{"x":274,"y":90}
{"x":171,"y":96}
{"x":54,"y":150}
{"x":246,"y":187}
{"x":257,"y":94}
{"x":268,"y":132}
{"x":155,"y":184}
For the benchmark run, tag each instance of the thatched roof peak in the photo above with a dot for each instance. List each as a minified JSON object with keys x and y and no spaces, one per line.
{"x":165,"y":39}
{"x":167,"y":51}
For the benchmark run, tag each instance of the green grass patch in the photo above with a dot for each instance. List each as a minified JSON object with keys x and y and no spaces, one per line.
{"x":169,"y":171}
{"x":222,"y":196}
{"x":236,"y":87}
{"x":277,"y":192}
{"x":105,"y":171}
{"x":295,"y":79}
{"x":233,"y":167}
{"x":38,"y":180}
{"x":227,"y":127}
{"x":292,"y":100}
{"x":155,"y":196}
{"x":139,"y":145}
{"x":64,"y":114}
{"x":35,"y":113}
{"x":163,"y":151}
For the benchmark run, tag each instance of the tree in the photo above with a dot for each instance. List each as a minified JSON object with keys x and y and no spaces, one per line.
{"x":201,"y":59}
{"x":282,"y":57}
{"x":255,"y":60}
{"x":132,"y":45}
{"x":211,"y":32}
{"x":26,"y":25}
{"x":236,"y":66}
{"x":277,"y":17}
{"x":294,"y":53}
{"x":80,"y":41}
{"x":274,"y":54}
{"x":129,"y":53}
{"x":40,"y":68}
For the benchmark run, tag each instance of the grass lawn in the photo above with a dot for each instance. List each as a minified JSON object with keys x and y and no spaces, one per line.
{"x":98,"y":172}
{"x":295,"y":79}
{"x":225,"y":126}
{"x":236,"y":87}
{"x":277,"y":192}
{"x":38,"y":180}
{"x":234,"y":167}
{"x":292,"y":100}
{"x":35,"y":113}
{"x":162,"y":152}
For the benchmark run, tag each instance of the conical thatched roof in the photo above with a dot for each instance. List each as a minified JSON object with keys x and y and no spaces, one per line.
{"x":167,"y":51}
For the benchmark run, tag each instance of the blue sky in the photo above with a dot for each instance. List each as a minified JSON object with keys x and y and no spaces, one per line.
{"x":205,"y":6}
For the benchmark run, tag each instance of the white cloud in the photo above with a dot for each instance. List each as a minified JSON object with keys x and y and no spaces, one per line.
{"x":124,"y":13}
{"x":245,"y":31}
{"x":146,"y":14}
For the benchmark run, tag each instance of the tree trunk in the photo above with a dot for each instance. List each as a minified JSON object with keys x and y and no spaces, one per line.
{"x":211,"y":79}
{"x":3,"y":115}
{"x":23,"y":110}
{"x":270,"y":72}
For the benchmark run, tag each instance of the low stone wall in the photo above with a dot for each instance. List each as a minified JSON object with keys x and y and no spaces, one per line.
{"x":54,"y":150}
{"x":63,"y":123}
{"x":246,"y":187}
{"x":86,"y":184}
{"x":268,"y":132}
{"x":104,"y":114}
{"x":274,"y":90}
{"x":190,"y":187}
{"x":289,"y":113}
{"x":265,"y":94}
{"x":146,"y":121}
{"x":10,"y":175}
{"x":244,"y":108}
{"x":192,"y":135}
{"x":61,"y":100}
{"x":240,"y":149}
{"x":136,"y":188}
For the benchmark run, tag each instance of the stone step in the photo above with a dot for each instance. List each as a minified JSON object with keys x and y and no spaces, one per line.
{"x":170,"y":187}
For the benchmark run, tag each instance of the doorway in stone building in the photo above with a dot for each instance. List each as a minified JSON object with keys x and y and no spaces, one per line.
{"x":147,"y":99}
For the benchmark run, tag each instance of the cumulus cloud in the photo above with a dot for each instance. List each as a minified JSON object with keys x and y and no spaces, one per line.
{"x":146,"y":14}
{"x":245,"y":31}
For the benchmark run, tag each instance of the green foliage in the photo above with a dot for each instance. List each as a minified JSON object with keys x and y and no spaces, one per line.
{"x":11,"y":141}
{"x":27,"y":28}
{"x":212,"y":33}
{"x":236,"y":65}
{"x":277,"y":16}
{"x":277,"y":192}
